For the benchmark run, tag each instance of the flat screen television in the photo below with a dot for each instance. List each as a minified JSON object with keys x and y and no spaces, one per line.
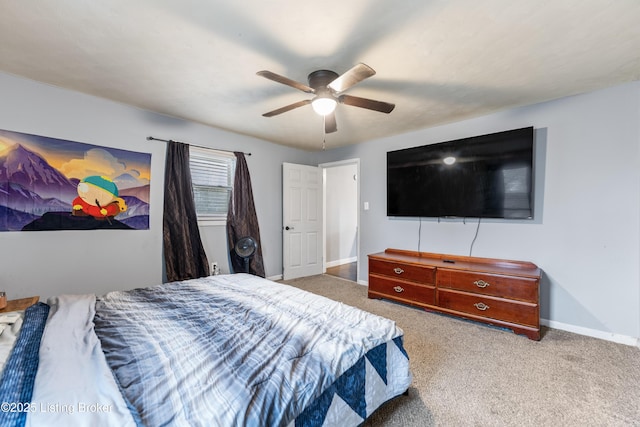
{"x":488,"y":176}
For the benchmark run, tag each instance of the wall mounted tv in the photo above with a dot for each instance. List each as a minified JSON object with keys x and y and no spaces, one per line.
{"x":488,"y":176}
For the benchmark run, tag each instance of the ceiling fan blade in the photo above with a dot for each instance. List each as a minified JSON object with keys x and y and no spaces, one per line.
{"x":352,"y":77}
{"x":286,"y":81}
{"x":330,"y":125}
{"x":369,"y":104}
{"x":287,"y":108}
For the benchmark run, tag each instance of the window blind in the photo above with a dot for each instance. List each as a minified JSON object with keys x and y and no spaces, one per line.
{"x":212,"y":174}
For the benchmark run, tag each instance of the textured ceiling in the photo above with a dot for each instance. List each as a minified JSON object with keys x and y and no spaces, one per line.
{"x":438,"y":61}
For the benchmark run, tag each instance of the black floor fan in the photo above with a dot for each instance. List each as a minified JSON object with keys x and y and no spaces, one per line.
{"x":245,"y":248}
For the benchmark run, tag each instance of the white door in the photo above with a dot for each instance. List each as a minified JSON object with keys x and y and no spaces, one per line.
{"x":301,"y":220}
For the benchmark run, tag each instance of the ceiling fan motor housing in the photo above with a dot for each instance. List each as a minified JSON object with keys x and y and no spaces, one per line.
{"x":320,"y":79}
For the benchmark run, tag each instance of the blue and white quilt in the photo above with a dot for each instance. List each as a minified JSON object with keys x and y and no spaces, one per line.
{"x":239,"y":350}
{"x":234,"y":350}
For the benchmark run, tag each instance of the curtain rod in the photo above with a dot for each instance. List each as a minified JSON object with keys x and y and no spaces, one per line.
{"x":150,"y":138}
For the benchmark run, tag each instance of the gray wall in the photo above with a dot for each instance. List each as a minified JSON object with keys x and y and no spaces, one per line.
{"x":585,"y":235}
{"x":48,"y":263}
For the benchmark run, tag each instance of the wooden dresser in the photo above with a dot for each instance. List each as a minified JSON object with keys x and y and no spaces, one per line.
{"x":499,"y":292}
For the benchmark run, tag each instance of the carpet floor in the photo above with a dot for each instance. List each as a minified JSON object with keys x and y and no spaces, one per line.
{"x":468,"y":374}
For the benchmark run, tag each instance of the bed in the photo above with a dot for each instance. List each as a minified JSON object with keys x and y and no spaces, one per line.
{"x":228,"y":350}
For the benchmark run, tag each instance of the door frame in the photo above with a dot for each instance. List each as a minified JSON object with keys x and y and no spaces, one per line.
{"x":324,"y":167}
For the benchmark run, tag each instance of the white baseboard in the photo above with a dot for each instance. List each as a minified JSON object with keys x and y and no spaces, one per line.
{"x":275,"y":278}
{"x":341,"y":261}
{"x":607,"y":336}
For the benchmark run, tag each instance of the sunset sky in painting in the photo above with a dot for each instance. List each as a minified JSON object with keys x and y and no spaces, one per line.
{"x":79,"y":160}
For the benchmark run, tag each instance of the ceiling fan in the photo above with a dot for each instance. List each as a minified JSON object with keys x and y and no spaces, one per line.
{"x":328,"y":88}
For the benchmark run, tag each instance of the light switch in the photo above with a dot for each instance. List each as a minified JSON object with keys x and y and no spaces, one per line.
{"x":366,"y":206}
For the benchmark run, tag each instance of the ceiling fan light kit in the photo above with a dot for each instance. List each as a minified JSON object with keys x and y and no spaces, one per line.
{"x":323,"y":105}
{"x":328,"y":86}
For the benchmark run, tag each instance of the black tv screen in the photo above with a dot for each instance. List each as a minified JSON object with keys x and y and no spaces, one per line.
{"x":488,"y":176}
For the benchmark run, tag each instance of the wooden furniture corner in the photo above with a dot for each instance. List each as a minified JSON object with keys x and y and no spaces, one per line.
{"x":20,"y":304}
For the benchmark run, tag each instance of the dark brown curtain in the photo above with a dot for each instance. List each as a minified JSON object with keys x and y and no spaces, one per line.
{"x":242,"y":220}
{"x":184,"y":254}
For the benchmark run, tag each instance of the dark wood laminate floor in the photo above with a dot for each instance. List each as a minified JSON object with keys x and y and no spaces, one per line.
{"x":345,"y":271}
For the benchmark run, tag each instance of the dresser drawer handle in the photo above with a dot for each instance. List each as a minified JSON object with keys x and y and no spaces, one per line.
{"x":481,"y":283}
{"x":481,"y":306}
{"x":398,"y":289}
{"x":398,"y":270}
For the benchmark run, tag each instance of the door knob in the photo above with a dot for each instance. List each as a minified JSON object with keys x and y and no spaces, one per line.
{"x":288,"y":228}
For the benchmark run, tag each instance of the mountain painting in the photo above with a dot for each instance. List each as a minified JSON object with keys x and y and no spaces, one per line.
{"x":55,"y":184}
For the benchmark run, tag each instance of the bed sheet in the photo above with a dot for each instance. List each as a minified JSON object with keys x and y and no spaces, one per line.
{"x":8,"y":334}
{"x":74,"y":385}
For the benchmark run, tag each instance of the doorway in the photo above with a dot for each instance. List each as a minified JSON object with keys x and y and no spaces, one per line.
{"x":341,"y":200}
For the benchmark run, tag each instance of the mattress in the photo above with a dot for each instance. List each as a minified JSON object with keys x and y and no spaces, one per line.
{"x":222,"y":350}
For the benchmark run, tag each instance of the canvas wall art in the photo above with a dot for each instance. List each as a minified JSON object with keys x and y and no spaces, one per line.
{"x":55,"y":184}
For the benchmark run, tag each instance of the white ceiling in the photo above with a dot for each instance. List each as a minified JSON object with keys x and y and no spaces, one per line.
{"x":439,"y":61}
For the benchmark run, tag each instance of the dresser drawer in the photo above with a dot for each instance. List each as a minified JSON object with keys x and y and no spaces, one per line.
{"x":486,"y":306}
{"x":414,"y":273}
{"x":520,"y":288}
{"x":402,"y":290}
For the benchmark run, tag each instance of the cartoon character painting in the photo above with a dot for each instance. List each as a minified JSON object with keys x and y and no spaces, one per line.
{"x":49,"y":184}
{"x":98,"y":197}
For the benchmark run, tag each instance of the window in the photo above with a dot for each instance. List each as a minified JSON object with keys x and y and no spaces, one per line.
{"x":212,"y":174}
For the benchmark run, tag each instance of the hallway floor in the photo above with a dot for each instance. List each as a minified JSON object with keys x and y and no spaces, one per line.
{"x":345,"y":271}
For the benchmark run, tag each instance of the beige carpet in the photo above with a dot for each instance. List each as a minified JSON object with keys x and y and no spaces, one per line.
{"x":466,"y":374}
